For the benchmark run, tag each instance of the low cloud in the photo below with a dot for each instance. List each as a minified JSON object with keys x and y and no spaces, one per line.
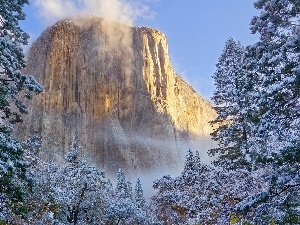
{"x":124,"y":11}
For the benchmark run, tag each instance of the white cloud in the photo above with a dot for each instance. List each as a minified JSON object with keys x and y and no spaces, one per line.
{"x":124,"y":11}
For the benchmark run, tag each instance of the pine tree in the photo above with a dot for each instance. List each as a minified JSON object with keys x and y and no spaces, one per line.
{"x":273,"y":111}
{"x":139,"y":195}
{"x":189,"y":161}
{"x":120,"y":208}
{"x":200,"y":167}
{"x":12,"y":81}
{"x":231,"y":99}
{"x":129,"y":189}
{"x":123,"y":207}
{"x":275,"y":61}
{"x":13,"y":180}
{"x":73,"y":155}
{"x":121,"y":188}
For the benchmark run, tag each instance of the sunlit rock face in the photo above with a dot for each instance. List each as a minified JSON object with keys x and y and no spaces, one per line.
{"x":113,"y":86}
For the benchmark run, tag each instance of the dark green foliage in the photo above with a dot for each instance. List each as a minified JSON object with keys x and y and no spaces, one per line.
{"x":230,"y":98}
{"x":14,"y":183}
{"x":268,"y":112}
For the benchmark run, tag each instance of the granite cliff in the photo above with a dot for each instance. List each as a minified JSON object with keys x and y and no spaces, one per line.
{"x":114,"y":87}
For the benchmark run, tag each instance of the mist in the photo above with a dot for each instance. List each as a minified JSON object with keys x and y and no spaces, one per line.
{"x":200,"y":143}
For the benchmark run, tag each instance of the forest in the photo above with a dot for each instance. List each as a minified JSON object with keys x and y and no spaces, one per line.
{"x":255,"y":174}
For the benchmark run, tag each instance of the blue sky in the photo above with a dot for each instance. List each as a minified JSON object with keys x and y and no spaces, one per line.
{"x":196,"y":31}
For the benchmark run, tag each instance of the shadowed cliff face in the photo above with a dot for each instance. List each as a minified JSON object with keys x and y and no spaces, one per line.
{"x":114,"y":87}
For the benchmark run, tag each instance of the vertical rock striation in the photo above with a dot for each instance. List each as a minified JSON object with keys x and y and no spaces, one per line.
{"x":114,"y":87}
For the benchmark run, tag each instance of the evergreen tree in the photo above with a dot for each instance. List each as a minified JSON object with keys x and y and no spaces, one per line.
{"x":192,"y":168}
{"x":129,"y":189}
{"x":121,"y":188}
{"x":123,"y":208}
{"x":274,"y":63}
{"x":13,"y":180}
{"x":33,"y":145}
{"x":43,"y":204}
{"x":12,"y":81}
{"x":209,"y":199}
{"x":189,"y":161}
{"x":139,"y":195}
{"x":109,"y":189}
{"x":259,"y":118}
{"x":231,"y":99}
{"x":120,"y":209}
{"x":79,"y":189}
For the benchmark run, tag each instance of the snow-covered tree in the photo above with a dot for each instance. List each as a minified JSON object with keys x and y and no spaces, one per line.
{"x":274,"y":63}
{"x":12,"y":81}
{"x":189,"y":161}
{"x":77,"y":193}
{"x":33,"y":145}
{"x":271,"y":80}
{"x":231,"y":99}
{"x":79,"y":189}
{"x":13,"y":179}
{"x":14,"y":182}
{"x":123,"y":208}
{"x":202,"y":194}
{"x":139,"y":195}
{"x":43,"y":204}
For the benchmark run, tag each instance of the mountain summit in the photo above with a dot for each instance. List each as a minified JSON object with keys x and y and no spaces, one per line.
{"x":113,"y":86}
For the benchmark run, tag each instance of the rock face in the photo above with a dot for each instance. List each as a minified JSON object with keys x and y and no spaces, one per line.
{"x":114,"y":87}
